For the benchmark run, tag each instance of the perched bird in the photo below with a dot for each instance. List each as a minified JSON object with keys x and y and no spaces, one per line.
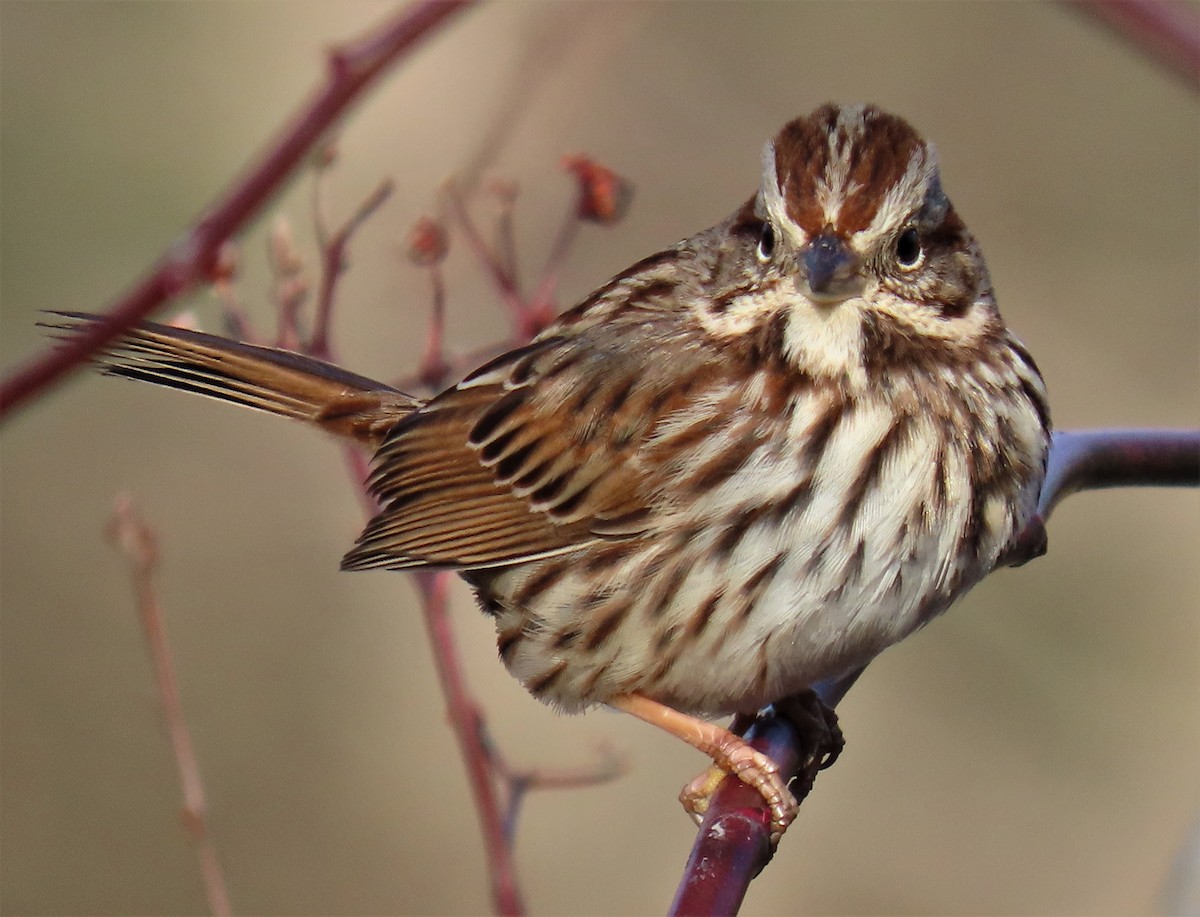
{"x":745,"y":464}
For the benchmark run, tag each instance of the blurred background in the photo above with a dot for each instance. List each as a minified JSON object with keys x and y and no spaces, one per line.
{"x":1035,"y":751}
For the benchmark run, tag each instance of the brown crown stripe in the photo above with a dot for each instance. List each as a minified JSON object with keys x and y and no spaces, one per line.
{"x":878,"y":157}
{"x":648,"y":292}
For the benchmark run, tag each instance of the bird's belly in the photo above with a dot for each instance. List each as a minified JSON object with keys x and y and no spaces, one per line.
{"x":743,"y":604}
{"x":710,"y":634}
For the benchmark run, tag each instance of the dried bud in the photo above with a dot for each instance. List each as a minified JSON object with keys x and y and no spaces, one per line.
{"x":427,"y":242}
{"x":225,"y":266}
{"x":130,"y":533}
{"x":604,"y":196}
{"x":326,"y":155}
{"x":285,"y":258}
{"x":504,"y":190}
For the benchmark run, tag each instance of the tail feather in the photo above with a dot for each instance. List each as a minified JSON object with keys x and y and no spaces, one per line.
{"x":263,"y":378}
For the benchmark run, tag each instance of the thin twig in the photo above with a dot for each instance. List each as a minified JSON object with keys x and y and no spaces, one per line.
{"x":732,"y":845}
{"x":137,"y":542}
{"x":289,"y":285}
{"x":608,"y":765}
{"x":351,"y":69}
{"x":467,"y":722}
{"x":505,"y":283}
{"x":333,"y":262}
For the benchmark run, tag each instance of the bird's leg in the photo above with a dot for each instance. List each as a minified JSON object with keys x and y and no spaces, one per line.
{"x":730,"y":755}
{"x":821,"y":738}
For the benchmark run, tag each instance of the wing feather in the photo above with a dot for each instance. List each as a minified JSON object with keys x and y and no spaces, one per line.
{"x":538,"y":453}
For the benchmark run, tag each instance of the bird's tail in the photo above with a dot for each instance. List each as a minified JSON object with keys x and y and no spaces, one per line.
{"x":278,"y":381}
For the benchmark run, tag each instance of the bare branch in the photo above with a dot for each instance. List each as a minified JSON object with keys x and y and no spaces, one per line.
{"x":136,"y":540}
{"x":191,"y":261}
{"x":468,"y":729}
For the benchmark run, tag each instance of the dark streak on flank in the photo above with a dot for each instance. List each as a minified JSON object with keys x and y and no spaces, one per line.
{"x":754,"y":586}
{"x":567,"y":638}
{"x":665,"y":639}
{"x":603,"y":558}
{"x":753,"y":589}
{"x":699,"y":621}
{"x":724,"y":465}
{"x":539,"y":582}
{"x":507,"y":642}
{"x":593,"y":679}
{"x":607,"y":624}
{"x":762,"y":667}
{"x":544,"y":681}
{"x":665,"y":592}
{"x":736,"y":528}
{"x":794,"y":501}
{"x":854,"y":566}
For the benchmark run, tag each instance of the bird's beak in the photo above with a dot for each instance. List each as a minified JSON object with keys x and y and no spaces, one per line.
{"x":831,"y":269}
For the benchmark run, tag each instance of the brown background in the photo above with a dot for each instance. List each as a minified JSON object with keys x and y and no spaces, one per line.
{"x":1035,"y":751}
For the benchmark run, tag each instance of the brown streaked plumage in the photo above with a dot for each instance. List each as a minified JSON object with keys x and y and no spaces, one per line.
{"x":747,"y":463}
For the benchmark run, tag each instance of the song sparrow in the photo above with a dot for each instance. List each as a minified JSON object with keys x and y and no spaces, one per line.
{"x":747,"y":463}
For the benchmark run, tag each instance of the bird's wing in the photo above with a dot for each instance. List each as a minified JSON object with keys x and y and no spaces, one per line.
{"x":544,"y":450}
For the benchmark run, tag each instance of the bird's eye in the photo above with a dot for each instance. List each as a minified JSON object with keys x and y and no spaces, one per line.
{"x":766,"y":242}
{"x":908,"y":248}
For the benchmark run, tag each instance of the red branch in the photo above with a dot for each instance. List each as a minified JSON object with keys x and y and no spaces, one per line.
{"x":137,"y":542}
{"x":352,"y":68}
{"x":333,"y":254}
{"x":732,"y":845}
{"x":469,"y":730}
{"x":1166,"y":30}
